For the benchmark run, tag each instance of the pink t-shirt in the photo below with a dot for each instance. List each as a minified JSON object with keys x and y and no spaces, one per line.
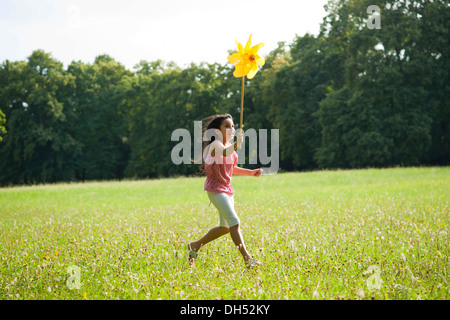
{"x":219,"y":170}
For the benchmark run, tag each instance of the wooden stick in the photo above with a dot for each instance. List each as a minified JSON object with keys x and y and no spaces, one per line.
{"x":242,"y":106}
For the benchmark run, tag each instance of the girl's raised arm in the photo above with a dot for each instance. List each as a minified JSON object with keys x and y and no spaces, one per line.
{"x":218,"y":146}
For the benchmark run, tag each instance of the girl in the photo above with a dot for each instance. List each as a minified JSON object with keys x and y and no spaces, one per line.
{"x":219,"y":166}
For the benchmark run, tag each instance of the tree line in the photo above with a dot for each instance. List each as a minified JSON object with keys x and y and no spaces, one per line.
{"x":350,"y":97}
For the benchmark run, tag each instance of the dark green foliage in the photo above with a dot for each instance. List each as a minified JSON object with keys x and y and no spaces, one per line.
{"x":2,"y":123}
{"x":37,"y":147}
{"x":99,"y":118}
{"x":384,"y":113}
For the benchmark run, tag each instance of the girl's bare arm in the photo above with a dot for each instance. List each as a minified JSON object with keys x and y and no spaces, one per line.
{"x":247,"y":172}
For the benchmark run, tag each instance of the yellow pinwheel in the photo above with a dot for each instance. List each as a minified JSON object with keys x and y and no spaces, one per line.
{"x":246,"y":60}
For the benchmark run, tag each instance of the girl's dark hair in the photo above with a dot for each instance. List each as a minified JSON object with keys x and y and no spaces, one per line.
{"x":213,"y":122}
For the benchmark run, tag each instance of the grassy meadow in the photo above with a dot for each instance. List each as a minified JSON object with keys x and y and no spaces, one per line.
{"x":346,"y":234}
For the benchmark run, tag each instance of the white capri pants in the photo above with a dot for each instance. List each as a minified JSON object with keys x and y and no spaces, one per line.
{"x":225,"y":205}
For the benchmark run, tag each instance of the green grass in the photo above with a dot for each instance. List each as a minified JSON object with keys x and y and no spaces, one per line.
{"x":316,"y":234}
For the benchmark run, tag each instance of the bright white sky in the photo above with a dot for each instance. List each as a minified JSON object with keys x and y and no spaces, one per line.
{"x":182,"y":31}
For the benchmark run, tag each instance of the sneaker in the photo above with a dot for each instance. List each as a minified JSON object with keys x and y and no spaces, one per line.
{"x":191,"y":253}
{"x":252,"y":263}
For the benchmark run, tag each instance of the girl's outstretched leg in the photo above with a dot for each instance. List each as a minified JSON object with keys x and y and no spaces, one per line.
{"x":212,"y":234}
{"x":238,"y":240}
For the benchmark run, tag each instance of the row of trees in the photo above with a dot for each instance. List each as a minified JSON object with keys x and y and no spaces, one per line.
{"x":350,"y":97}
